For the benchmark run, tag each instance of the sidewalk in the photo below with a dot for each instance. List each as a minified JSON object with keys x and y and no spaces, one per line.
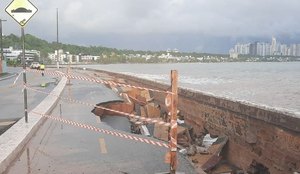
{"x":15,"y":138}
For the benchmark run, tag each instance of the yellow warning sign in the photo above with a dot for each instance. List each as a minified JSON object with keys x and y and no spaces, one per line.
{"x":21,"y":11}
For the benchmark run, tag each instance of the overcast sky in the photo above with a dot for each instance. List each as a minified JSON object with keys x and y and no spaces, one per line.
{"x":188,"y":25}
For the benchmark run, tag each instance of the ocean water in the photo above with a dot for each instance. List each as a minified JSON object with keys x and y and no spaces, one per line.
{"x":273,"y":85}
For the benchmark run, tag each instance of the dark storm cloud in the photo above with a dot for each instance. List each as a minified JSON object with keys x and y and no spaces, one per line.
{"x":140,"y":24}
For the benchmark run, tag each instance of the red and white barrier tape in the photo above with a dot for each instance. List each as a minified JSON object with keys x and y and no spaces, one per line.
{"x":95,"y":129}
{"x":70,"y":76}
{"x":149,"y":120}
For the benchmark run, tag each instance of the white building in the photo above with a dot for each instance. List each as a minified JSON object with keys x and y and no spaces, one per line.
{"x":242,"y":48}
{"x":273,"y":46}
{"x":12,"y":54}
{"x":89,"y":58}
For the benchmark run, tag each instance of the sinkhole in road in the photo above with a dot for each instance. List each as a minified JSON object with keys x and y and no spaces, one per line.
{"x":117,"y":122}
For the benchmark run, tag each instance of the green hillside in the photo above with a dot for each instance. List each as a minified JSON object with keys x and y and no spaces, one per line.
{"x":34,"y":43}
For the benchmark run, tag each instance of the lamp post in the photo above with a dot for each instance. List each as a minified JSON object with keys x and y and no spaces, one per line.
{"x":57,"y":61}
{"x":2,"y":58}
{"x":1,"y":37}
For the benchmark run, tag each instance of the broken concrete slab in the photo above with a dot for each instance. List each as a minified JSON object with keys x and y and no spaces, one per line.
{"x":152,"y":111}
{"x":138,"y":101}
{"x":144,"y":130}
{"x":161,"y":132}
{"x":218,"y":146}
{"x":215,"y":150}
{"x":183,"y":136}
{"x":211,"y":162}
{"x":208,"y":157}
{"x":125,"y":97}
{"x":146,"y":95}
{"x":113,"y":105}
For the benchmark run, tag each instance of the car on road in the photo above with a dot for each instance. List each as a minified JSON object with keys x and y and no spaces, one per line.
{"x":35,"y":65}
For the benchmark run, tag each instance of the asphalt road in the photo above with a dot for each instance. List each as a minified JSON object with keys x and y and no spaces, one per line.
{"x":60,"y":148}
{"x":12,"y":98}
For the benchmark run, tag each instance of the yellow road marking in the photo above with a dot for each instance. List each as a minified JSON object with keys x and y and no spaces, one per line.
{"x":102,"y":146}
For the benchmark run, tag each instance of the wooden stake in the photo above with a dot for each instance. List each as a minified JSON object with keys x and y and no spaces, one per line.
{"x":173,"y":131}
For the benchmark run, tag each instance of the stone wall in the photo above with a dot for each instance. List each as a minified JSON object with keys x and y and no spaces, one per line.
{"x":270,"y":137}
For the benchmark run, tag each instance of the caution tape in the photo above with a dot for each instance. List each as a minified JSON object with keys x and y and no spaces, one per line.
{"x":95,"y":129}
{"x":149,"y":120}
{"x":71,"y":76}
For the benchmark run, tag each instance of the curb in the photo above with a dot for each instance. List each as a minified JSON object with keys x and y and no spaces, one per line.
{"x":8,"y":77}
{"x":14,"y":139}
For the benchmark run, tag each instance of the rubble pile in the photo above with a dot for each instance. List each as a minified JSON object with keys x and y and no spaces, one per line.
{"x":204,"y":151}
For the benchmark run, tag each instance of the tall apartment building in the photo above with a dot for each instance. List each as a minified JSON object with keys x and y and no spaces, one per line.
{"x":266,"y":49}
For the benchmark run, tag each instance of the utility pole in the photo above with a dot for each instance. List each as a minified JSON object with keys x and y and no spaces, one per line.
{"x":2,"y":58}
{"x":57,"y":61}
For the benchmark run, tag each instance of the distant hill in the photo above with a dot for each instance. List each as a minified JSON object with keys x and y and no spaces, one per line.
{"x":34,"y":43}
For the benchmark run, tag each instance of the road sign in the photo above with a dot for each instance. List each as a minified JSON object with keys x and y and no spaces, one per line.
{"x":21,"y":11}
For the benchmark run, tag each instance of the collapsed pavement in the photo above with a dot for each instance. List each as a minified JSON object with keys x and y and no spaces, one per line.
{"x":205,"y":152}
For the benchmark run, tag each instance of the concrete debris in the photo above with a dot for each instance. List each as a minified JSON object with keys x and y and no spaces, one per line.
{"x":135,"y":128}
{"x":208,"y":141}
{"x":215,"y":153}
{"x":146,"y":95}
{"x":218,"y":145}
{"x":161,"y":132}
{"x":198,"y":141}
{"x":152,"y":111}
{"x":180,"y":121}
{"x":125,"y":97}
{"x":207,"y":156}
{"x":224,"y":168}
{"x":144,"y":130}
{"x":202,"y":150}
{"x":183,"y":136}
{"x":195,"y":161}
{"x":256,"y":167}
{"x":183,"y":151}
{"x":135,"y":96}
{"x":192,"y":150}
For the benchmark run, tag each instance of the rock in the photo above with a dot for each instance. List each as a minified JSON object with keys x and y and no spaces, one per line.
{"x":202,"y":150}
{"x":198,"y":141}
{"x":195,"y":161}
{"x":192,"y":150}
{"x":251,"y":136}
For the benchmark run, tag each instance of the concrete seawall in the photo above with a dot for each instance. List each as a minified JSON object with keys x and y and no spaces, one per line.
{"x":15,"y":138}
{"x":256,"y":134}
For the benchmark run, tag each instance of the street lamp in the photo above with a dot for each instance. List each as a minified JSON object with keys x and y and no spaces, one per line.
{"x":1,"y":37}
{"x":1,"y":45}
{"x":57,"y":61}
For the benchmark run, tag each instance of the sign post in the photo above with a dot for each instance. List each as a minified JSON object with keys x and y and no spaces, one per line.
{"x":22,"y":11}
